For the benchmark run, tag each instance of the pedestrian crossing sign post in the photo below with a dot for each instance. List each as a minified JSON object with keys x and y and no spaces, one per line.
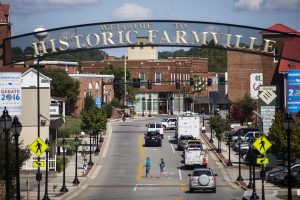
{"x":38,"y":146}
{"x":262,"y":161}
{"x":262,"y":144}
{"x":38,"y":164}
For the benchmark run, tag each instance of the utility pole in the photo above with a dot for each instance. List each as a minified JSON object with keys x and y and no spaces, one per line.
{"x":125,"y":63}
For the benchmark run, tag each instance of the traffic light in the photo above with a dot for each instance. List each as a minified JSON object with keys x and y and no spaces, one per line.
{"x":177,"y":84}
{"x":149,"y":84}
{"x":209,"y":81}
{"x":136,"y":83}
{"x":192,"y":82}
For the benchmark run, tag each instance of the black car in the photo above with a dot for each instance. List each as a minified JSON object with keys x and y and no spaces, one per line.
{"x":152,"y":138}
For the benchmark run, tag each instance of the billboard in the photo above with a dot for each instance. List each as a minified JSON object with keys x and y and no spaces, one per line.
{"x":293,"y":91}
{"x":11,"y":93}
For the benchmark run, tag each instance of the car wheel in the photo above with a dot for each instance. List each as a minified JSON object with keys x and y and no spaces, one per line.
{"x":214,"y":190}
{"x":191,"y":190}
{"x":160,"y":144}
{"x":164,"y":127}
{"x":162,"y":136}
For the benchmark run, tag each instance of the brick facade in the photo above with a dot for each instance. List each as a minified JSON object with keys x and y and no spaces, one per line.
{"x":5,"y":27}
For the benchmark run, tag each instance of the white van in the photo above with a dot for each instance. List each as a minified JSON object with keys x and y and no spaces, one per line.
{"x":156,"y":126}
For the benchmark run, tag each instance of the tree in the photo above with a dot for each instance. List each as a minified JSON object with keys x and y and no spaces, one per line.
{"x":64,"y":86}
{"x":118,"y":72}
{"x":89,"y":102}
{"x":246,"y":105}
{"x":219,"y":125}
{"x":278,"y":137}
{"x":93,"y":120}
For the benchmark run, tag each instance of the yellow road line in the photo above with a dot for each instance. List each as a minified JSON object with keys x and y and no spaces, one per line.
{"x":183,"y":187}
{"x":179,"y":198}
{"x":141,"y":166}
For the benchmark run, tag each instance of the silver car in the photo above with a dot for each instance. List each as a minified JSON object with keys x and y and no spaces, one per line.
{"x":202,"y":179}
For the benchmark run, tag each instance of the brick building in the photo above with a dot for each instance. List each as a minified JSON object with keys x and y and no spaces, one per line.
{"x":242,"y":65}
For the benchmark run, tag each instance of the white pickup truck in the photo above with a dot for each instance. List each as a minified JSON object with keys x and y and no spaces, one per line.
{"x":169,"y":123}
{"x":195,"y":154}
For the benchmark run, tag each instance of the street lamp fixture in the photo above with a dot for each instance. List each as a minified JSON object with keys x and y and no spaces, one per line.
{"x":76,"y":143}
{"x":64,"y":146}
{"x":143,"y":106}
{"x":5,"y":124}
{"x":287,"y":125}
{"x":90,"y":161}
{"x":46,"y":197}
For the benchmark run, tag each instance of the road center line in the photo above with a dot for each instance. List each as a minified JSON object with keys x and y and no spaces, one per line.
{"x":171,"y":145}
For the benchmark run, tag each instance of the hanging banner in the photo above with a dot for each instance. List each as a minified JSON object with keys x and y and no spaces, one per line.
{"x":256,"y":79}
{"x":11,"y":93}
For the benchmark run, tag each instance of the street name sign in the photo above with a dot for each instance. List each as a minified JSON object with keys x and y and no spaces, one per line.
{"x":38,"y":146}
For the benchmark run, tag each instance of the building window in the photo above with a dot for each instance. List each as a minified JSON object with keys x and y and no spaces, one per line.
{"x":90,"y":89}
{"x":142,"y":77}
{"x":276,"y":55}
{"x":97,"y":89}
{"x":158,"y":78}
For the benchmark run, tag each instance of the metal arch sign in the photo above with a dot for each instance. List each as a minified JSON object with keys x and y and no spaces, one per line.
{"x":158,"y":33}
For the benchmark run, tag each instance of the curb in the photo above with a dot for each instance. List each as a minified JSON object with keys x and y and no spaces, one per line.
{"x":209,"y":144}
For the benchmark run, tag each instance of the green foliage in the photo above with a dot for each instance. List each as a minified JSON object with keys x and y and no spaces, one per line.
{"x":89,"y":102}
{"x":93,"y":120}
{"x":24,"y":154}
{"x":247,"y":105}
{"x":71,"y":126}
{"x":64,"y":86}
{"x":219,"y":125}
{"x":78,"y":56}
{"x":118,"y":72}
{"x":278,"y":137}
{"x":108,"y":110}
{"x":217,"y":58}
{"x":59,"y":163}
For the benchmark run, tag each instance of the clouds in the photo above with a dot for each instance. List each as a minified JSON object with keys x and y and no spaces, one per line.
{"x":129,"y":11}
{"x":255,"y":5}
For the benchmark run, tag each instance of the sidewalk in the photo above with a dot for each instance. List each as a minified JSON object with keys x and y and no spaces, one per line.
{"x":55,"y":180}
{"x":270,"y":190}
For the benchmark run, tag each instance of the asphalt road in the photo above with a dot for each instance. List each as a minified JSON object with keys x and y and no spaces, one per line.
{"x":122,"y":176}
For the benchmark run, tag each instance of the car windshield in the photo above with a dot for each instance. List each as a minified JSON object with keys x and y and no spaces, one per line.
{"x":201,"y":172}
{"x":158,"y":125}
{"x":195,"y":146}
{"x":152,"y":133}
{"x":164,"y":120}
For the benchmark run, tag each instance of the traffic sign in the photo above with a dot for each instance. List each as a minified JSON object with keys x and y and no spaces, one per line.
{"x":38,"y":146}
{"x":262,"y":144}
{"x":262,"y":161}
{"x":38,"y":164}
{"x":267,"y":96}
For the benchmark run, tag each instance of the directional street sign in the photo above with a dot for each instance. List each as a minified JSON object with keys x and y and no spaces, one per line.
{"x":38,"y":164}
{"x":262,"y":144}
{"x":262,"y":161}
{"x":38,"y":146}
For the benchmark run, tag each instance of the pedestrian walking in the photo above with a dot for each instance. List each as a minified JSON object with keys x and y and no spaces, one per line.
{"x":148,"y":167}
{"x":162,"y":167}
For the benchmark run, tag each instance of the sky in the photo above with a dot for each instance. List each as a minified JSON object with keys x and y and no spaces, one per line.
{"x":26,"y":15}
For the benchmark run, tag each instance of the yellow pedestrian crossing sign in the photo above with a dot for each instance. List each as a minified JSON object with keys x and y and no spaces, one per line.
{"x":262,"y":144}
{"x":262,"y":161}
{"x":38,"y":164}
{"x":38,"y":146}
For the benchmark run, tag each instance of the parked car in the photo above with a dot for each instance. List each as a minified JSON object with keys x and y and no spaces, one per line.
{"x":152,"y":138}
{"x":156,"y":126}
{"x":245,"y":134}
{"x":202,"y":179}
{"x":281,"y":177}
{"x":270,"y":175}
{"x":169,"y":123}
{"x":183,"y":140}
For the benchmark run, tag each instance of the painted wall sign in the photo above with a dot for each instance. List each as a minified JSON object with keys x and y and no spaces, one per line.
{"x":126,"y":34}
{"x":293,"y":90}
{"x":256,"y":79}
{"x":11,"y":93}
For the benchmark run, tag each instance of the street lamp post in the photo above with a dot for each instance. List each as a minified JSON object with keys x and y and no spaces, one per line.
{"x":229,"y":163}
{"x":97,"y":144}
{"x":64,"y":146}
{"x":252,"y":158}
{"x":239,"y":178}
{"x":171,"y":98}
{"x":287,"y":125}
{"x":46,"y":197}
{"x":5,"y":124}
{"x":90,"y":161}
{"x":211,"y":133}
{"x":150,"y":107}
{"x":143,"y":106}
{"x":76,"y":143}
{"x":17,"y":128}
